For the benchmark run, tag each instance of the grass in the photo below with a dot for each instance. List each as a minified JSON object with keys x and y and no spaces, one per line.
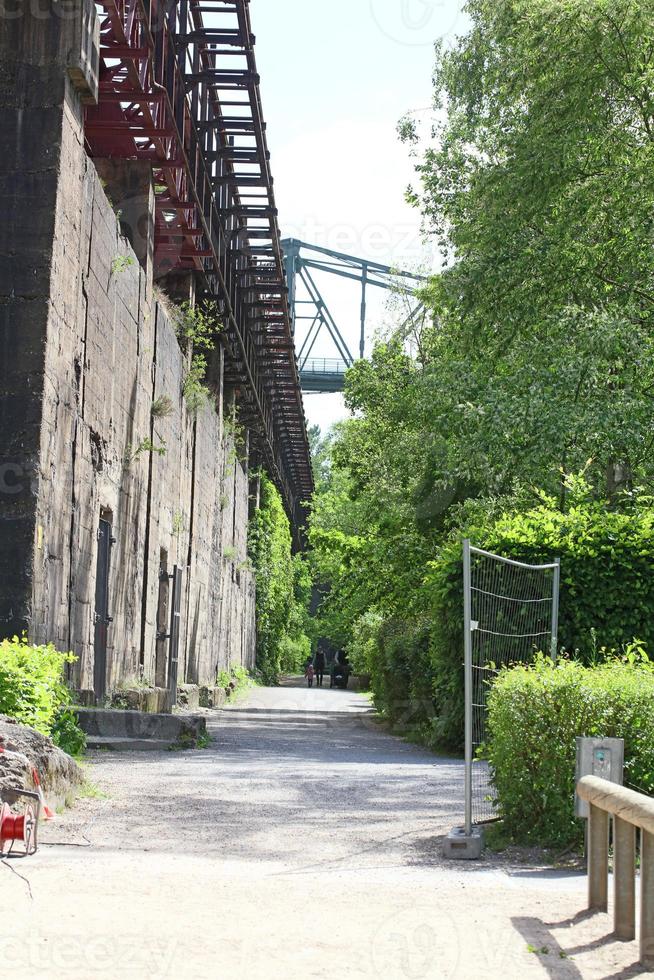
{"x":89,"y":791}
{"x":187,"y":742}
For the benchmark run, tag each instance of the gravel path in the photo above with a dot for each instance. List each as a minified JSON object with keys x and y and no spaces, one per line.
{"x":304,"y":842}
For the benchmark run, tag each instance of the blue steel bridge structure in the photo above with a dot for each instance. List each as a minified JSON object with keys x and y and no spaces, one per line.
{"x":308,"y":306}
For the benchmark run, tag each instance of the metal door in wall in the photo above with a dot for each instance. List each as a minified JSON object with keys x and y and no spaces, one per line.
{"x":173,"y":654}
{"x":102,"y":617}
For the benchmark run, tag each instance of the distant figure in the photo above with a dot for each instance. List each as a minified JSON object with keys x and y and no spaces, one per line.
{"x":340,"y":671}
{"x":319,"y":666}
{"x":309,"y":673}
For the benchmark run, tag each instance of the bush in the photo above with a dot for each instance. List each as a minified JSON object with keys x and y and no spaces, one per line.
{"x":32,"y":690}
{"x":401,"y":675}
{"x":536,"y":712}
{"x":67,"y":734}
{"x":365,"y":640}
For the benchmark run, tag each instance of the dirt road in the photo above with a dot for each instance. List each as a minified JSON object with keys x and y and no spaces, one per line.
{"x":304,"y":842}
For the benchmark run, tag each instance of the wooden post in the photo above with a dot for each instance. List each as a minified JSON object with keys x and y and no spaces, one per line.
{"x":598,"y":859}
{"x":647,"y":899}
{"x":624,"y":868}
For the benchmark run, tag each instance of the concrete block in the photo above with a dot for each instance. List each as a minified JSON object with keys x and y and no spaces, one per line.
{"x":154,"y":699}
{"x":212,"y":697}
{"x":461,"y":847}
{"x":188,"y":696}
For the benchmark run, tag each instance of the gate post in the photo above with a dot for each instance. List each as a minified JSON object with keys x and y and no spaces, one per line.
{"x":467,"y":649}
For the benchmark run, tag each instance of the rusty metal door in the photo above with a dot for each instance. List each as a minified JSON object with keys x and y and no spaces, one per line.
{"x":102,"y":618}
{"x":173,"y":653}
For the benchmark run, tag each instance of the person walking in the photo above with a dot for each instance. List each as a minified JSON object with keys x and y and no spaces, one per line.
{"x":319,"y":665}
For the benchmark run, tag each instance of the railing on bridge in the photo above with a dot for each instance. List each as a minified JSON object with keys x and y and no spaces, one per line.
{"x":325,"y":374}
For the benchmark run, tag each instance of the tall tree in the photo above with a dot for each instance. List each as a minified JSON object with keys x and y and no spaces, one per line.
{"x":540,"y":185}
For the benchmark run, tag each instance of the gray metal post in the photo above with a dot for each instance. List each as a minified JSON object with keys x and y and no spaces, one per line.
{"x":624,"y":882}
{"x":647,"y":898}
{"x":467,"y":651}
{"x":556,"y":588}
{"x":364,"y":282}
{"x":290,"y":255}
{"x":598,"y":859}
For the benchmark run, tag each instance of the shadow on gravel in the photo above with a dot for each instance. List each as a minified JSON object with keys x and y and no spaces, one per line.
{"x":557,"y":959}
{"x":273,"y":778}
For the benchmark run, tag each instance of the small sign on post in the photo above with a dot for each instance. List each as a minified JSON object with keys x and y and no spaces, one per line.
{"x":603,"y":757}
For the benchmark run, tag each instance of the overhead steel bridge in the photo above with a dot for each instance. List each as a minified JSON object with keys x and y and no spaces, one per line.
{"x":179,"y":88}
{"x":308,"y":306}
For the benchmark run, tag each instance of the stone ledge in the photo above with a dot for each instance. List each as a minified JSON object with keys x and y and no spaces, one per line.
{"x":174,"y":729}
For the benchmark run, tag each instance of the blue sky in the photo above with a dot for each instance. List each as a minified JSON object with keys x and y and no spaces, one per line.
{"x":336,"y":77}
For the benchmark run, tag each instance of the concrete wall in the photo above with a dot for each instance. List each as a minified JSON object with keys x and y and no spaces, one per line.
{"x":86,"y":348}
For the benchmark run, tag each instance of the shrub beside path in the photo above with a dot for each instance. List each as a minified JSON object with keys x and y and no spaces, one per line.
{"x":303,"y":842}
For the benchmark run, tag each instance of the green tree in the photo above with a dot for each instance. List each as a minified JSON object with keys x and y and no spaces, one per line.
{"x":283,"y":588}
{"x":535,"y":363}
{"x":540,"y":185}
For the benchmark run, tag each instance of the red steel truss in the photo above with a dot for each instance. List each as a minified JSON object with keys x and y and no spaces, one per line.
{"x":179,"y":87}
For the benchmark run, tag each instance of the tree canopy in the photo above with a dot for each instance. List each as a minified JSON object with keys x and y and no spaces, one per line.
{"x":536,"y":362}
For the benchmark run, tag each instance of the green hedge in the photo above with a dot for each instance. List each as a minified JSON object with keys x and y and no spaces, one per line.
{"x":536,"y":712}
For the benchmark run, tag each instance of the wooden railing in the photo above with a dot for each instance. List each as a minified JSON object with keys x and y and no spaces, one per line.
{"x":629,"y":810}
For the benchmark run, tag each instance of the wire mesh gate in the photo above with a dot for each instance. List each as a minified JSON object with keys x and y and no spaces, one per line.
{"x":511,"y":611}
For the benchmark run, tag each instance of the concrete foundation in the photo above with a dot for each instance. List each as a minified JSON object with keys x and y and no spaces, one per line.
{"x":460,"y":846}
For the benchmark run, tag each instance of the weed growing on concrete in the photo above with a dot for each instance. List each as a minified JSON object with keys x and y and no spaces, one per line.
{"x":162,"y":407}
{"x":203,"y":740}
{"x":188,"y":741}
{"x":132,"y":453}
{"x":197,"y":327}
{"x":178,"y":523}
{"x":120,"y":263}
{"x":235,"y":681}
{"x":195,"y":392}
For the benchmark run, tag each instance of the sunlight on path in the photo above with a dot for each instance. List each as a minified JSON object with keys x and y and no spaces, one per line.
{"x":304,"y":842}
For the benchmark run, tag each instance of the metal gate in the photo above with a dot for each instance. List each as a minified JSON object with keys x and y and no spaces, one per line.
{"x":173,"y":636}
{"x":511,"y":612}
{"x":102,"y":619}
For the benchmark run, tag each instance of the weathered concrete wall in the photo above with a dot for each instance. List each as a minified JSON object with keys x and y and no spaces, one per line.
{"x":86,"y":349}
{"x":31,"y":107}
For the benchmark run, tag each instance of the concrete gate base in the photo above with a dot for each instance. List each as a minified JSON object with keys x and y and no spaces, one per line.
{"x":464,"y":847}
